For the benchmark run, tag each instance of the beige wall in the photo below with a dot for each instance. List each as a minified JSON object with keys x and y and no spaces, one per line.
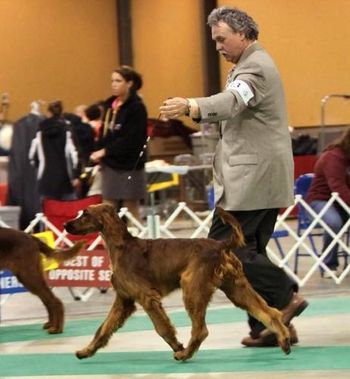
{"x":309,"y":40}
{"x":167,"y":49}
{"x":56,"y":49}
{"x":67,"y":48}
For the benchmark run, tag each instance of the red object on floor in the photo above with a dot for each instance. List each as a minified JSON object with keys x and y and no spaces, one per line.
{"x":304,"y":164}
{"x":3,"y":193}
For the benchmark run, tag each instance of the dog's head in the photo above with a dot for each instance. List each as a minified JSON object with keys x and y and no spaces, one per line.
{"x":93,"y":219}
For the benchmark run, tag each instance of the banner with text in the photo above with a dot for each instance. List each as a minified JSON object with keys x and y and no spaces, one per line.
{"x":88,"y":269}
{"x":9,"y":284}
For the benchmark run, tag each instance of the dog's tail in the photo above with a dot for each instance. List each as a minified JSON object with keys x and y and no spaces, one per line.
{"x":60,"y":255}
{"x":237,"y":238}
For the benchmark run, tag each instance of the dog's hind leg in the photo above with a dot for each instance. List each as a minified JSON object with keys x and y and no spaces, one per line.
{"x":197,"y":292}
{"x":151,"y":303}
{"x":33,"y":279}
{"x":237,"y":288}
{"x":118,"y":314}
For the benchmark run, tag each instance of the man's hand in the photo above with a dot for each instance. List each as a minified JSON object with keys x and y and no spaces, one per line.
{"x":174,"y":107}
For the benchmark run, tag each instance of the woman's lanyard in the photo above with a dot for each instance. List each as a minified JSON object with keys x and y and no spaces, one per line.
{"x":110,"y":121}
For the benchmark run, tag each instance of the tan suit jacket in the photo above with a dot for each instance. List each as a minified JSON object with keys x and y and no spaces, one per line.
{"x":253,"y":164}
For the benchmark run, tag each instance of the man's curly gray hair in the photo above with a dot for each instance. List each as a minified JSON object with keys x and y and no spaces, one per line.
{"x":236,"y":19}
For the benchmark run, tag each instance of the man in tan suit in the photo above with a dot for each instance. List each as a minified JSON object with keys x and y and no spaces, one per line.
{"x":253,"y":163}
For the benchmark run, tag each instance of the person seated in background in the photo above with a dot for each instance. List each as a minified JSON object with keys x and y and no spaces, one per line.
{"x":55,"y":156}
{"x":332,"y":174}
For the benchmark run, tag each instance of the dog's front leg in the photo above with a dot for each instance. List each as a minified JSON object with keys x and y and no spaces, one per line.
{"x":152,"y":305}
{"x":118,"y":314}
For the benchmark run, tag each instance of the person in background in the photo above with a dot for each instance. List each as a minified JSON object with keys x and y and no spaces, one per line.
{"x":253,"y":162}
{"x":83,"y":135}
{"x":93,"y":116}
{"x":122,"y":138}
{"x":332,"y":174}
{"x":22,"y":180}
{"x":55,"y":156}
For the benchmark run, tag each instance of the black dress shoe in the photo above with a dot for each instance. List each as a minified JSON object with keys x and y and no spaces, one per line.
{"x":269,"y":339}
{"x":295,"y":307}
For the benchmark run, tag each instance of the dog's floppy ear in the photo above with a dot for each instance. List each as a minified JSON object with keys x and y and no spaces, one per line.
{"x":103,"y":212}
{"x":99,"y":211}
{"x":106,"y":214}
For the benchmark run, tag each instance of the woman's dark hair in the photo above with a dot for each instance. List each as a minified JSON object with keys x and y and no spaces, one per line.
{"x":129,"y":74}
{"x":55,"y":108}
{"x":342,"y":142}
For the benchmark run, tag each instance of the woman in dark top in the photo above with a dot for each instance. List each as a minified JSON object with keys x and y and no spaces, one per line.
{"x":332,"y":171}
{"x":121,"y":140}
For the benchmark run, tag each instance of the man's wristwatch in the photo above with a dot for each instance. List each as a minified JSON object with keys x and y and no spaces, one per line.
{"x":188,"y":108}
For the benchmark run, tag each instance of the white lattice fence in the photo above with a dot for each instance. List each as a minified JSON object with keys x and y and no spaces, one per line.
{"x":291,"y":244}
{"x":297,"y":242}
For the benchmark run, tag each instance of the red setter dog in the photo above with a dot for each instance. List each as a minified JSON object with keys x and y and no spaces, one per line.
{"x":20,"y":253}
{"x":145,"y":270}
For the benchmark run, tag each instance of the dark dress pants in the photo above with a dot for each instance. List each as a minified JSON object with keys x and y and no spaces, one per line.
{"x":270,"y":281}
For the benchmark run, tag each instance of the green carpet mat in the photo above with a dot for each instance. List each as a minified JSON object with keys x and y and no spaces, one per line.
{"x":317,"y":307}
{"x":222,"y":360}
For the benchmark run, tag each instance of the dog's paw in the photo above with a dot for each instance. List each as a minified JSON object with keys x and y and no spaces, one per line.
{"x":81,"y":354}
{"x":181,"y":355}
{"x":286,"y":346}
{"x":47,"y":325}
{"x":52,"y":330}
{"x":178,"y":356}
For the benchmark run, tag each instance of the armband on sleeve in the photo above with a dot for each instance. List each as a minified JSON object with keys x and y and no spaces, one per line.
{"x":243,"y":90}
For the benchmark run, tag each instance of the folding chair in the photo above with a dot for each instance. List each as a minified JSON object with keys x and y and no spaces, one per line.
{"x":302,"y":185}
{"x":276,"y":235}
{"x":58,"y":212}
